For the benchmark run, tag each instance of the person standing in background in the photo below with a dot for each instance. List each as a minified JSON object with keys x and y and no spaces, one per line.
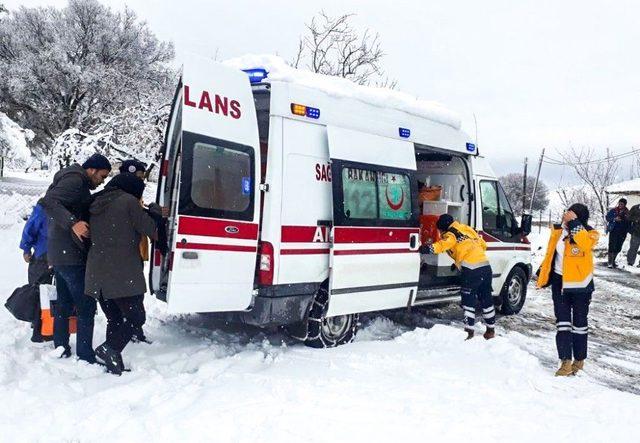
{"x":34,"y":251}
{"x":617,"y":228}
{"x":634,"y":230}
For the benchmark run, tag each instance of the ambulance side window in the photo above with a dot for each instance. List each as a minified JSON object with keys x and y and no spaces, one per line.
{"x":371,"y":195}
{"x":497,"y":216}
{"x":359,"y":193}
{"x":490,"y":208}
{"x":394,"y":196}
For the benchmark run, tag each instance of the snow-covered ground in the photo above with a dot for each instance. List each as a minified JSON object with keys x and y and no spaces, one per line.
{"x":407,"y":377}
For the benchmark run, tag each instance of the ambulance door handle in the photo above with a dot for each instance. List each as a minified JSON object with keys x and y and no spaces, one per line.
{"x":190,"y":255}
{"x":414,"y":242}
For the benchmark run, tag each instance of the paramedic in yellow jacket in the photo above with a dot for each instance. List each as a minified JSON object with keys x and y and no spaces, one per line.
{"x":568,"y":269}
{"x":467,"y":249}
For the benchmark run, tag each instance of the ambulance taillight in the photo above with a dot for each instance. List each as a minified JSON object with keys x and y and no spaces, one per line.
{"x":265,"y":275}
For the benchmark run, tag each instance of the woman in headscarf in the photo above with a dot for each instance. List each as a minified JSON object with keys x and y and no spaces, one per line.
{"x":114,"y":273}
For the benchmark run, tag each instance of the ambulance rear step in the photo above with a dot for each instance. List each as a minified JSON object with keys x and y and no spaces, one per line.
{"x":437,"y":295}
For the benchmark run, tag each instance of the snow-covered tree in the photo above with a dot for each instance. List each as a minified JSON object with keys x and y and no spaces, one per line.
{"x":512,"y":184}
{"x":14,"y":141}
{"x":83,"y":68}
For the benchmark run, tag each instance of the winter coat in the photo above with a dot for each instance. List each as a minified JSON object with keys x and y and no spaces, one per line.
{"x":634,"y":220}
{"x":34,"y":233}
{"x":464,"y":246}
{"x":618,"y":225}
{"x":577,"y":263}
{"x":66,"y":202}
{"x":114,"y":265}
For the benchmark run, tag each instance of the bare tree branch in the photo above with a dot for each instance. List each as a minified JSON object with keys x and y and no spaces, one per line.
{"x":332,"y":46}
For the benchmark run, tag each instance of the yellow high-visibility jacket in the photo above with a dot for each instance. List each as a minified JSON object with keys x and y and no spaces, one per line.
{"x":577,"y":263}
{"x":464,"y":246}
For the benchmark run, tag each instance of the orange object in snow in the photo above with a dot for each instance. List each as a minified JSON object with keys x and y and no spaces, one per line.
{"x":428,"y":229}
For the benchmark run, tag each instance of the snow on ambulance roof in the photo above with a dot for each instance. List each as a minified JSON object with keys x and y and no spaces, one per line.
{"x":278,"y":70}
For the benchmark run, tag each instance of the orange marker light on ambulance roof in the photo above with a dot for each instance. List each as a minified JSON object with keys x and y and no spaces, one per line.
{"x":298,"y":109}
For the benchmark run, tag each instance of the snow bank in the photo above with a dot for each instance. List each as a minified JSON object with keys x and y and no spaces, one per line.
{"x":279,"y":70}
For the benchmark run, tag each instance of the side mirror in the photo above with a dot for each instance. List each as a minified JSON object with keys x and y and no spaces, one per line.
{"x":525,"y":224}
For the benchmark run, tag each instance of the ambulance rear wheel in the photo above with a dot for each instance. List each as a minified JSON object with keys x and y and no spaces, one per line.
{"x":514,"y":292}
{"x":323,"y":332}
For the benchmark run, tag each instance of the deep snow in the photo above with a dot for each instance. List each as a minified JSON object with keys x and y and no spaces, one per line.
{"x":203,"y":379}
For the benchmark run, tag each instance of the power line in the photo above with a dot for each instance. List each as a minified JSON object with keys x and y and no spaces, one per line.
{"x":556,"y":162}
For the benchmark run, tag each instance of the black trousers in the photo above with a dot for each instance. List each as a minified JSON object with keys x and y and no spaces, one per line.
{"x":572,"y":328}
{"x":124,"y":318}
{"x":476,"y":287}
{"x":616,"y":240}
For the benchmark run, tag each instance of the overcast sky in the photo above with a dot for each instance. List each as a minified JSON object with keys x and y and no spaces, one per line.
{"x":536,"y":73}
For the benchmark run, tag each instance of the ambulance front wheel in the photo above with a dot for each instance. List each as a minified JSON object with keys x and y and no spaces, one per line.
{"x":514,"y":292}
{"x":323,"y":332}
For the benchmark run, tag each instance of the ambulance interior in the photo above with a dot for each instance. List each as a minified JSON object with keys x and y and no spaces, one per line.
{"x":443,"y":188}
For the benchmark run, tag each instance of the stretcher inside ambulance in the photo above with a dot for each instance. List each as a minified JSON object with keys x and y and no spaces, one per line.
{"x":297,"y":204}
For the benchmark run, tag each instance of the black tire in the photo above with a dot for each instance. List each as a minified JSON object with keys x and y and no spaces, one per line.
{"x":332,"y":332}
{"x":514,"y":292}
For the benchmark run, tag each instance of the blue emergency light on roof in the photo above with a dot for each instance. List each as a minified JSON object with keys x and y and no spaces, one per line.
{"x":471,"y":147}
{"x":404,"y":132}
{"x":256,"y":75}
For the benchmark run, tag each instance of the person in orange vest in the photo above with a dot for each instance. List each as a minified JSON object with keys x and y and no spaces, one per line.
{"x":568,"y":268}
{"x":467,"y":249}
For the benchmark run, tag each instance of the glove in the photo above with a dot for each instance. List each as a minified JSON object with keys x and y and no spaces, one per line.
{"x":155,"y":210}
{"x":453,"y":267}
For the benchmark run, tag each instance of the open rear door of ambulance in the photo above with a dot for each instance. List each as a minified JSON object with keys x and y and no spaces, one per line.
{"x":215,"y":237}
{"x":375,"y":262}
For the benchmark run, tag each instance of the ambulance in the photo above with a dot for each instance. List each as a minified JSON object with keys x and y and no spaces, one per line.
{"x":302,"y":206}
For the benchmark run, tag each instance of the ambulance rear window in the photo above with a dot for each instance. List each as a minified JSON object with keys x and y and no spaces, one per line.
{"x":216,"y":178}
{"x":221,"y":178}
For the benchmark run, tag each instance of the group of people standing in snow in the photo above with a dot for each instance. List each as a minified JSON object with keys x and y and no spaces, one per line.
{"x":620,"y":222}
{"x":95,"y":245}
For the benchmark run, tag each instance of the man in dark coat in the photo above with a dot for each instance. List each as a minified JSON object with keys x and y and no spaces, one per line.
{"x":617,"y":227}
{"x":115,"y":274}
{"x":67,"y":205}
{"x":634,"y":231}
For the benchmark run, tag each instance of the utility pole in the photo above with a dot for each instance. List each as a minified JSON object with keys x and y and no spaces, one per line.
{"x":535,"y":185}
{"x":524,"y":186}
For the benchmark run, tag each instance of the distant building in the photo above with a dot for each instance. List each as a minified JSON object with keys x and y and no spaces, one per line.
{"x":629,"y":189}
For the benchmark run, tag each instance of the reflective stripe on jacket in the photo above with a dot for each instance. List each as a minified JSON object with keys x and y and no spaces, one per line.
{"x":577,"y":263}
{"x":464,"y":246}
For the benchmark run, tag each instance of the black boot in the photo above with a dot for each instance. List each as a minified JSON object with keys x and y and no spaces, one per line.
{"x":112,"y":359}
{"x":610,"y":260}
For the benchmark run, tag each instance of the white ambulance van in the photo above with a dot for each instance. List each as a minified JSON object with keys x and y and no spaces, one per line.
{"x":293,"y":206}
